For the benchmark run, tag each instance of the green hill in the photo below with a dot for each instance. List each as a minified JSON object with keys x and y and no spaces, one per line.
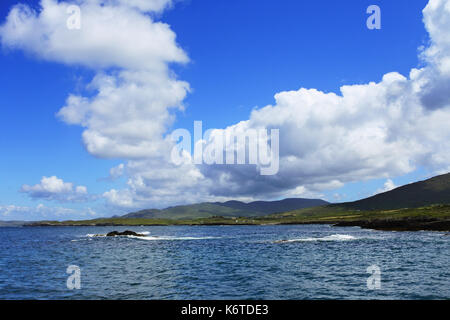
{"x":226,"y":209}
{"x":268,"y":207}
{"x":419,"y":194}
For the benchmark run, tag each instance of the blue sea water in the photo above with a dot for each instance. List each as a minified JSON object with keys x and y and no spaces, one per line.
{"x":223,"y":262}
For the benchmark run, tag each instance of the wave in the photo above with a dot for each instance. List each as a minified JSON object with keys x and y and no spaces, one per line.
{"x":334,"y":237}
{"x":91,"y":235}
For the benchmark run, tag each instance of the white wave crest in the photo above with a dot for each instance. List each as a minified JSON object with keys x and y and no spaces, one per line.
{"x":91,"y":235}
{"x":334,"y":237}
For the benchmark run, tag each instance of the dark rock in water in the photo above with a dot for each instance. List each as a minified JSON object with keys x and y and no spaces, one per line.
{"x":125,"y":233}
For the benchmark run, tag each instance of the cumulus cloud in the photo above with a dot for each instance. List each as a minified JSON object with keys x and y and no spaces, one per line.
{"x":117,"y":171}
{"x":135,"y":91}
{"x":437,"y":22}
{"x":158,"y":182}
{"x":53,"y":188}
{"x":111,"y":35}
{"x":388,"y":186}
{"x":129,"y":115}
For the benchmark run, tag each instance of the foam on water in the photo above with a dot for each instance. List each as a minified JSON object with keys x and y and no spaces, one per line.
{"x":334,"y":237}
{"x":91,"y":235}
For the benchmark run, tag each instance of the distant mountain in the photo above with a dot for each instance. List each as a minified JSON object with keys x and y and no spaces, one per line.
{"x":269,"y":207}
{"x":13,"y":223}
{"x":227,"y":209}
{"x":419,"y":194}
{"x":143,"y":214}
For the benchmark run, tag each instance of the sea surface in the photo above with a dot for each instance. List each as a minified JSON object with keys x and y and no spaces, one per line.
{"x":224,"y":262}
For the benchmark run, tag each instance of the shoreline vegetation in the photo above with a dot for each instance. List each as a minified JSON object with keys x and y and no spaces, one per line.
{"x":428,"y":218}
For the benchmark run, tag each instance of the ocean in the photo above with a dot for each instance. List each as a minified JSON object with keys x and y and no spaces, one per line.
{"x":223,"y":262}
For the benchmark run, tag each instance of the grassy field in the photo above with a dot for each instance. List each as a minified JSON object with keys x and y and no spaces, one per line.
{"x":336,"y":213}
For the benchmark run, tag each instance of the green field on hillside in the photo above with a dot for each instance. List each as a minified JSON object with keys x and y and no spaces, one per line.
{"x":325,"y":215}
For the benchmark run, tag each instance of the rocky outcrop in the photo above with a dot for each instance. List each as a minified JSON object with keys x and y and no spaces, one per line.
{"x":124,"y":233}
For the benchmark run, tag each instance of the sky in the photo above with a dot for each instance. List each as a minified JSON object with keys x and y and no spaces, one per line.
{"x":88,"y":110}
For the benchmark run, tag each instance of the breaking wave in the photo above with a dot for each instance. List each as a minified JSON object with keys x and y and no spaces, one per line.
{"x":334,"y":237}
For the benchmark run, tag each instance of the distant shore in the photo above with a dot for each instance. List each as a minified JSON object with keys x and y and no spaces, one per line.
{"x":401,"y":223}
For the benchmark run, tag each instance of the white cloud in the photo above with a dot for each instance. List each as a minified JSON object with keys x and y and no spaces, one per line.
{"x":111,"y":35}
{"x":388,"y":186}
{"x":437,"y":22}
{"x":53,"y":188}
{"x":131,"y":111}
{"x":158,"y":182}
{"x":129,"y":115}
{"x":122,"y":199}
{"x":117,"y":171}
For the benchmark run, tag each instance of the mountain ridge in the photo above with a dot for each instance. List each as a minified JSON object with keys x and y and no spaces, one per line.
{"x":232,"y":208}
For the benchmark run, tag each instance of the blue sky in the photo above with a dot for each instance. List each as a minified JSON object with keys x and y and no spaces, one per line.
{"x":241,"y":54}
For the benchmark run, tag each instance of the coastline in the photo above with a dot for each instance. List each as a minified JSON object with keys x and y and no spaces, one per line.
{"x":429,"y":218}
{"x":442,"y":225}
